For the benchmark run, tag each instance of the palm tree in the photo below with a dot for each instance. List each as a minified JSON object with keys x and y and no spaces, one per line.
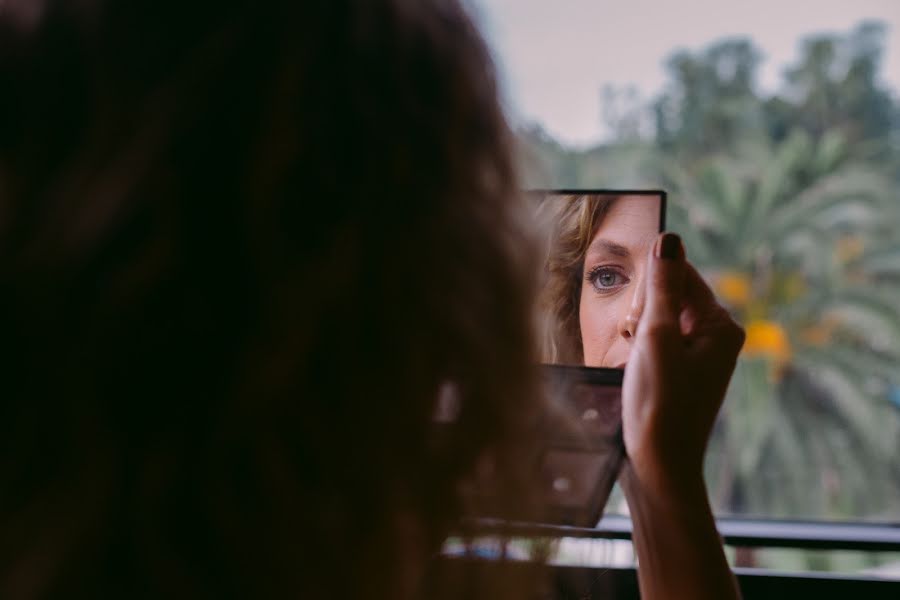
{"x":802,"y":243}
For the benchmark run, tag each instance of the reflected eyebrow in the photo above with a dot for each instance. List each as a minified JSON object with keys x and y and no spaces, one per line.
{"x":610,"y":247}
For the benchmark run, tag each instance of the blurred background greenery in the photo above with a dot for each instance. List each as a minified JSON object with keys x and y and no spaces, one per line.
{"x":788,"y":202}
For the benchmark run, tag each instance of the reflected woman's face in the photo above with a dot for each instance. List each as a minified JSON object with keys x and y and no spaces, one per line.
{"x":612,"y":290}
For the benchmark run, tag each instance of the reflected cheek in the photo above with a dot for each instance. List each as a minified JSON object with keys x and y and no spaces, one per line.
{"x":599,"y":331}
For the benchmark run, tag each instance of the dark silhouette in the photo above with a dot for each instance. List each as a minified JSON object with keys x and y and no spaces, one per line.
{"x":242,"y":247}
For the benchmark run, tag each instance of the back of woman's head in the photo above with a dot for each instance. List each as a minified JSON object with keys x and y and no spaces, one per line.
{"x":243,"y":245}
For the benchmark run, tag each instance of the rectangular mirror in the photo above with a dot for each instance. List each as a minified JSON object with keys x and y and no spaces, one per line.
{"x":597,"y":247}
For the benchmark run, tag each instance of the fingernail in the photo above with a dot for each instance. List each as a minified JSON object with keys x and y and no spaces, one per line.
{"x":670,"y":247}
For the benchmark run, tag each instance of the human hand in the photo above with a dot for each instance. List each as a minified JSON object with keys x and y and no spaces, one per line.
{"x":685,"y":350}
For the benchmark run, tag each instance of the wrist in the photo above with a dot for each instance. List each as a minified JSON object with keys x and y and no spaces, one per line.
{"x":652,"y":484}
{"x":674,"y":532}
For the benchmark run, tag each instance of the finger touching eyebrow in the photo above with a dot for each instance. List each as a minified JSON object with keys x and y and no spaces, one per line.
{"x":600,"y":245}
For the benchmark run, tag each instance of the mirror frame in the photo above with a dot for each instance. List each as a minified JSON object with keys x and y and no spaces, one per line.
{"x":663,"y":196}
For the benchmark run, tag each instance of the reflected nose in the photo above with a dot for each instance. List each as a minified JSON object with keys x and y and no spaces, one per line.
{"x":629,"y":325}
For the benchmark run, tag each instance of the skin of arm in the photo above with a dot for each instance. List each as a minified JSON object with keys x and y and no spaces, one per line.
{"x":685,"y":351}
{"x":679,"y":551}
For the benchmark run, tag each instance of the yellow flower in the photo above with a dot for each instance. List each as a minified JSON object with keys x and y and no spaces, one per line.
{"x":733,"y":287}
{"x":821,"y":333}
{"x":817,"y":335}
{"x":767,"y":338}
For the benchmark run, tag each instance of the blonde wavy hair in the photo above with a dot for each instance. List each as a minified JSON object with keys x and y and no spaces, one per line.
{"x":571,"y":220}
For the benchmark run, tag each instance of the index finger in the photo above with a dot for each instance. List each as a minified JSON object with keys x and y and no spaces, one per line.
{"x":664,"y":283}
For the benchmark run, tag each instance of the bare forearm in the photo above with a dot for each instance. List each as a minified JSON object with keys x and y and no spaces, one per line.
{"x":680,"y":554}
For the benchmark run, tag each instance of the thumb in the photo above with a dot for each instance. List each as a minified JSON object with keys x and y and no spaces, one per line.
{"x":665,"y":282}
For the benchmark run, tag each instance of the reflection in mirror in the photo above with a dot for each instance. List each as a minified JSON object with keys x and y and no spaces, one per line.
{"x":597,"y":250}
{"x":597,"y":247}
{"x":583,"y":450}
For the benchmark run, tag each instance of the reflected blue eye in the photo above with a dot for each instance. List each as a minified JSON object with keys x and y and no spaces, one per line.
{"x":606,"y":279}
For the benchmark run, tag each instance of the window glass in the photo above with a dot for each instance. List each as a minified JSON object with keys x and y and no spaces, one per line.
{"x":780,"y":148}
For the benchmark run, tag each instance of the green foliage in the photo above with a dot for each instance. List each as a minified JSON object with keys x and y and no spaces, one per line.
{"x":789,"y":205}
{"x":780,"y":224}
{"x":710,"y":102}
{"x":835,"y":86}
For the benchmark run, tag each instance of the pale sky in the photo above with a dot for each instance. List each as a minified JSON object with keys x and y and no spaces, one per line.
{"x":554,"y":55}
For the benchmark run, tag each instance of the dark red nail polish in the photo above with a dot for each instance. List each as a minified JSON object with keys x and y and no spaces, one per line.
{"x":670,"y":247}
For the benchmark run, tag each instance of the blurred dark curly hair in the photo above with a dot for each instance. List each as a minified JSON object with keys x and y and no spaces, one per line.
{"x":243,"y":245}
